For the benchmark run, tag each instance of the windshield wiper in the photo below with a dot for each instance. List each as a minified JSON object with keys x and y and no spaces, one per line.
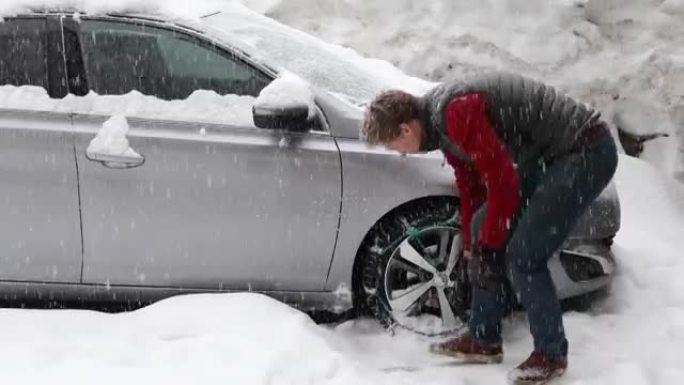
{"x":211,"y":14}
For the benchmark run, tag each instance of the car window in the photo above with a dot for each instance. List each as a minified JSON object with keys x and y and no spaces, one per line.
{"x":23,"y":52}
{"x":121,"y":57}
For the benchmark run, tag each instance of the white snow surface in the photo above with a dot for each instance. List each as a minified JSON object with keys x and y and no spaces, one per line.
{"x":624,"y":56}
{"x":633,"y":337}
{"x":112,"y":139}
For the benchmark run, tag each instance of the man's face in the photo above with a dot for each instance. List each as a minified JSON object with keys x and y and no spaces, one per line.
{"x":409,"y":140}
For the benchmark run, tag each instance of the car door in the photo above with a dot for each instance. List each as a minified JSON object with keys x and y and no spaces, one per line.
{"x":40,"y":232}
{"x":215,"y":206}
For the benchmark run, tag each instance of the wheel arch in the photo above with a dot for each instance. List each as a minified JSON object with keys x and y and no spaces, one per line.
{"x":396,"y":211}
{"x":342,"y":276}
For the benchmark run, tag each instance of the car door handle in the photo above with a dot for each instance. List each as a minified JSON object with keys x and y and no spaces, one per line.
{"x":116,"y":161}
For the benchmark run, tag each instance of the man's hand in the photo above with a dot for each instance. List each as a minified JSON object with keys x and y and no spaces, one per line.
{"x":486,"y":267}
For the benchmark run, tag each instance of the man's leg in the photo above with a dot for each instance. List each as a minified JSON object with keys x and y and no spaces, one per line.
{"x":564,"y":191}
{"x":487,"y":306}
{"x":482,"y":344}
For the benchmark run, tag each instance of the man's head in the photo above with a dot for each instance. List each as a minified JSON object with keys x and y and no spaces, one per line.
{"x":393,"y":120}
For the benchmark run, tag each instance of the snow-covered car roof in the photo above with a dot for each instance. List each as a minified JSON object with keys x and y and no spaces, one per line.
{"x":326,"y":66}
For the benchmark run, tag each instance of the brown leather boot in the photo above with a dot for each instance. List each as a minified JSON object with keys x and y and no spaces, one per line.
{"x":538,"y":370}
{"x":468,"y":351}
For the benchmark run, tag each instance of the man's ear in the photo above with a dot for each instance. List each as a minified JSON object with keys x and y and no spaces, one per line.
{"x":405,"y":129}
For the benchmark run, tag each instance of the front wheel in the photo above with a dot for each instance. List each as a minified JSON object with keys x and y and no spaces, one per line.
{"x":409,"y":272}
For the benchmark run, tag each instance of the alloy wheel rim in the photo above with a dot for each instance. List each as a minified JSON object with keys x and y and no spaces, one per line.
{"x":421,"y":281}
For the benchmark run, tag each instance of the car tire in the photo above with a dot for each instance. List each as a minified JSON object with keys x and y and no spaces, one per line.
{"x":373,"y":264}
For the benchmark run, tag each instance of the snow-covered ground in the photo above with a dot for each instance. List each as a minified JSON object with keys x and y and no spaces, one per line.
{"x":625,"y":56}
{"x":634,"y":337}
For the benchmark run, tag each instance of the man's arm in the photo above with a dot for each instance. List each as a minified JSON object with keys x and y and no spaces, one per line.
{"x":469,"y":127}
{"x":471,"y":193}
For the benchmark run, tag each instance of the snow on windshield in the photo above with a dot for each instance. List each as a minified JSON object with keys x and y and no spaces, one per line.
{"x":326,"y":66}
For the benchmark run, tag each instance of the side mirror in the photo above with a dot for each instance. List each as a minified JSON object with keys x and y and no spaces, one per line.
{"x":285,"y":104}
{"x":295,"y":118}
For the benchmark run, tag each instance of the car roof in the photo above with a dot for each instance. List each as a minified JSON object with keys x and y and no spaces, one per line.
{"x":122,"y":15}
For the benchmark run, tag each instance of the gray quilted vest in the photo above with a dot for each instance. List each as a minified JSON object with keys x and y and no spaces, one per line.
{"x":533,"y":120}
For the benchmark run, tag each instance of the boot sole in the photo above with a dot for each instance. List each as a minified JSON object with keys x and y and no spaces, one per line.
{"x":470,"y":358}
{"x":545,"y":381}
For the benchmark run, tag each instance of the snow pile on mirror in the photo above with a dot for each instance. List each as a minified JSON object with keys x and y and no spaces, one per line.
{"x":287,"y":91}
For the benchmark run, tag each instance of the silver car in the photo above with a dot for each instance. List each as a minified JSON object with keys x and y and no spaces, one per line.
{"x":294,"y":206}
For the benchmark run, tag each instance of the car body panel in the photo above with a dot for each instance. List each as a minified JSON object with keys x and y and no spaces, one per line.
{"x":369,"y":196}
{"x":40,"y":230}
{"x":215,"y":207}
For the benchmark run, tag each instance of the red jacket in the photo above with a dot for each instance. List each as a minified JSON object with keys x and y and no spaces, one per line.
{"x":491,"y":178}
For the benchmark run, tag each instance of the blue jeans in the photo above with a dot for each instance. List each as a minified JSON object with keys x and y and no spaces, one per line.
{"x":554,"y":197}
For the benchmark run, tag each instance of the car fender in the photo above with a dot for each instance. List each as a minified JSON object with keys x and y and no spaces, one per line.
{"x":375,"y":182}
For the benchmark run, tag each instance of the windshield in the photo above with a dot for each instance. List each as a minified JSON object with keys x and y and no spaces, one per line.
{"x":332,"y":68}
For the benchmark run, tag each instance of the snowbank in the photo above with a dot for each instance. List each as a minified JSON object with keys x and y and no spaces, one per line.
{"x":241,"y":339}
{"x":625,"y":56}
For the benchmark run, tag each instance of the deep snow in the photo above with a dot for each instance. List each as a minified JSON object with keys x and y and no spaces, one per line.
{"x":633,"y":337}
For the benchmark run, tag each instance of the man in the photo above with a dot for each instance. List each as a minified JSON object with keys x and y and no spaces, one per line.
{"x":528,"y":162}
